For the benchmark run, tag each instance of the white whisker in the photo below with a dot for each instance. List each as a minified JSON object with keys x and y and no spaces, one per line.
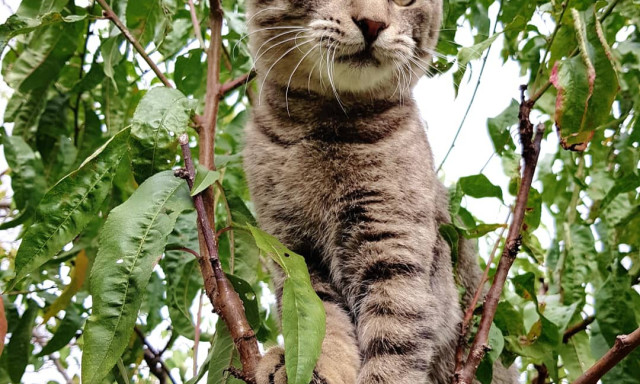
{"x":286,"y":93}
{"x":276,"y":62}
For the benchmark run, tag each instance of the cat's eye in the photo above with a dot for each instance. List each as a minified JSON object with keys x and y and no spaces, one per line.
{"x":404,"y":3}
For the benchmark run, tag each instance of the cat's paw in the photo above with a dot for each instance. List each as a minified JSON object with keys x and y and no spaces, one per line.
{"x":271,"y":369}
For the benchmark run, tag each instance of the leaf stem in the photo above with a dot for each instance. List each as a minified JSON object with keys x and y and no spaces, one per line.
{"x":473,"y":96}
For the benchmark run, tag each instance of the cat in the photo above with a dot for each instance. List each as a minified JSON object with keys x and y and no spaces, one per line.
{"x":340,"y":171}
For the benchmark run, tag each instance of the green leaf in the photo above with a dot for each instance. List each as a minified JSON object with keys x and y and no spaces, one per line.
{"x":131,"y":241}
{"x":576,"y":355}
{"x":499,"y":128}
{"x":111,"y":55}
{"x":451,"y":236}
{"x":221,"y":359}
{"x":525,"y":286}
{"x":249,"y":300}
{"x":148,"y":20}
{"x":65,"y":332}
{"x":48,"y":50}
{"x":163,"y":113}
{"x":19,"y":347}
{"x":18,"y":25}
{"x":479,"y":186}
{"x":24,"y":110}
{"x":303,"y":316}
{"x":27,"y":179}
{"x":204,"y":179}
{"x":69,"y":206}
{"x":468,"y":54}
{"x":35,"y":8}
{"x":587,"y":84}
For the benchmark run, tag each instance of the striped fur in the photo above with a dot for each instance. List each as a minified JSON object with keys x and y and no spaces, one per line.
{"x":340,"y":171}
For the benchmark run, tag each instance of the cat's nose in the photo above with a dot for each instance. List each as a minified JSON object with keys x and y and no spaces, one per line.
{"x":370,"y":29}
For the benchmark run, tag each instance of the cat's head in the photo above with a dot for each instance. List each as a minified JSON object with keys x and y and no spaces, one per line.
{"x":343,"y":46}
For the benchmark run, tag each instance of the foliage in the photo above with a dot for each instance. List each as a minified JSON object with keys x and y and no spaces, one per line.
{"x":90,"y":137}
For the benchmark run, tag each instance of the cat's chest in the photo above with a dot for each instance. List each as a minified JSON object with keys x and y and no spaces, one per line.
{"x":304,"y":181}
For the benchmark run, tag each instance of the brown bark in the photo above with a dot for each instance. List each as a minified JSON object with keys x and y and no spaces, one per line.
{"x":530,"y":139}
{"x":624,"y":345}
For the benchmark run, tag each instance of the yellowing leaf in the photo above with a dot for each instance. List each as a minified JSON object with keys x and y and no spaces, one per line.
{"x":78,"y":275}
{"x":3,"y":325}
{"x":587,"y":84}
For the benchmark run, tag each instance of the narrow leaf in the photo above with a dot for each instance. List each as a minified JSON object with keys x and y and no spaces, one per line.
{"x":587,"y":84}
{"x":78,"y":275}
{"x":204,"y":179}
{"x":221,"y":359}
{"x":27,"y":172}
{"x":18,"y":25}
{"x":3,"y":325}
{"x":66,"y":331}
{"x":131,"y":242}
{"x":18,"y":349}
{"x":303,"y":316}
{"x":69,"y":206}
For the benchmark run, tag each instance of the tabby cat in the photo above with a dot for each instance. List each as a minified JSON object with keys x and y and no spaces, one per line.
{"x":341,"y":172}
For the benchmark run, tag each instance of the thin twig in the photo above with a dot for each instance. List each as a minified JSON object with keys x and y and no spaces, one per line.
{"x":543,"y":373}
{"x":196,"y":24}
{"x":26,"y":292}
{"x":577,"y":328}
{"x":153,"y":359}
{"x":551,"y":40}
{"x":221,"y":231}
{"x":468,"y":315}
{"x":234,"y":84}
{"x":530,"y":139}
{"x":473,"y":96}
{"x":109,"y":14}
{"x":188,"y":250}
{"x":61,"y":369}
{"x":196,"y":339}
{"x":624,"y":345}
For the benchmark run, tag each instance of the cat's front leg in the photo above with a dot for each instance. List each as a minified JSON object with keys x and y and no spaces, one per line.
{"x":402,"y":320}
{"x":338,"y":362}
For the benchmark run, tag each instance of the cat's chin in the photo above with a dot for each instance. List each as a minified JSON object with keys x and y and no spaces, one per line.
{"x":362,"y":75}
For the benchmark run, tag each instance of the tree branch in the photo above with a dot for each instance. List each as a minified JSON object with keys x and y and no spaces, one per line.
{"x":577,"y":328}
{"x":196,"y":23}
{"x":468,"y":315}
{"x":543,"y":373}
{"x":530,"y":140}
{"x":109,"y":14}
{"x":234,"y":84}
{"x":624,"y":345}
{"x":154,"y":361}
{"x":224,"y":298}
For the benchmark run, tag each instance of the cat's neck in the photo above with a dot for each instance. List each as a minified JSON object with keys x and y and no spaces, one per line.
{"x":303,"y":115}
{"x":309,"y":104}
